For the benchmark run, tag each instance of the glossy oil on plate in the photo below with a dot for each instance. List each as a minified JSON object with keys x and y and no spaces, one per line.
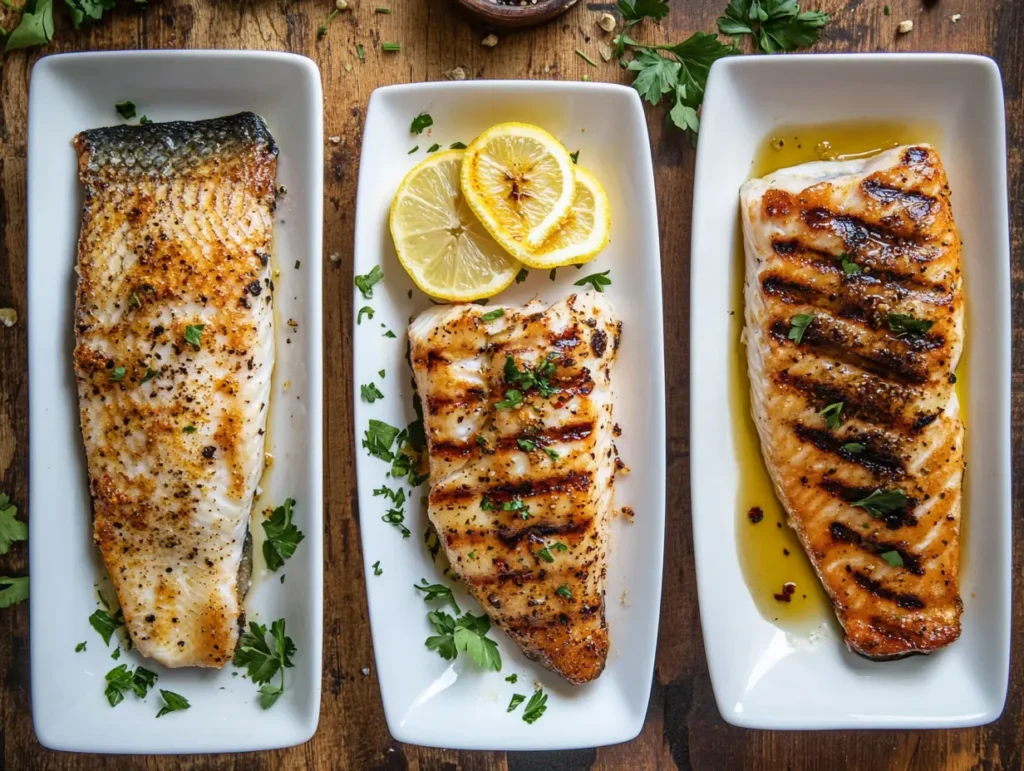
{"x":428,"y":700}
{"x":78,"y":91}
{"x":771,"y":676}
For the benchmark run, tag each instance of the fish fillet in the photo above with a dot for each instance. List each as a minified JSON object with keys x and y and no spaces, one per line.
{"x":864,"y":257}
{"x":521,"y":488}
{"x":173,"y":359}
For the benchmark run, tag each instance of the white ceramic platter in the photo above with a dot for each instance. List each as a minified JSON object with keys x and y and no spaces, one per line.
{"x":70,"y":93}
{"x":427,"y":700}
{"x":764,"y":677}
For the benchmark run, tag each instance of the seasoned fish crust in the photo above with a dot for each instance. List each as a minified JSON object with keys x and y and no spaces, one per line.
{"x":173,"y":359}
{"x":521,"y":495}
{"x":863,"y":248}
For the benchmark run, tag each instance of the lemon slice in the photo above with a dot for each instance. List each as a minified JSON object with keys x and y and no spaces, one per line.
{"x":583,"y":235}
{"x":441,"y":245}
{"x":519,"y":181}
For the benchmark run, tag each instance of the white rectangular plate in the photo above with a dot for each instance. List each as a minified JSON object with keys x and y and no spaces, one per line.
{"x":427,"y":700}
{"x":764,"y":677}
{"x":70,"y":93}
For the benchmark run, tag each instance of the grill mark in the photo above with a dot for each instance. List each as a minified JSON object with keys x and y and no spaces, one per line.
{"x":849,"y":494}
{"x":437,"y":403}
{"x":519,"y":577}
{"x":573,"y":432}
{"x":574,"y":481}
{"x":918,"y":205}
{"x":876,"y":460}
{"x":905,"y":600}
{"x":841,"y":532}
{"x":883,"y":362}
{"x":511,"y":537}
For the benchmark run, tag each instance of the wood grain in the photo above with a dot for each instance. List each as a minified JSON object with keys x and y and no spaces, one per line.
{"x":683,"y":728}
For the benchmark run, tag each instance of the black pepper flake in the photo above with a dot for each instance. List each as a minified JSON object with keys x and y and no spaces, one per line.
{"x":264,"y":258}
{"x":150,"y":618}
{"x":255,"y":289}
{"x":788,"y":590}
{"x":209,"y":451}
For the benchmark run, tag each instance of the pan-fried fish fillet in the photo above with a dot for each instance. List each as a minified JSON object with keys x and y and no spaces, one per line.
{"x":176,"y":234}
{"x":521,"y":496}
{"x":868,"y":250}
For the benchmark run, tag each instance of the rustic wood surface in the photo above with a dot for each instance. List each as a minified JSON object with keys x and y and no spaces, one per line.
{"x":683,"y":727}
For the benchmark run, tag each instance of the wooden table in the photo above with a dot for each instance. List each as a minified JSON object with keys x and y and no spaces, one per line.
{"x":683,"y":726}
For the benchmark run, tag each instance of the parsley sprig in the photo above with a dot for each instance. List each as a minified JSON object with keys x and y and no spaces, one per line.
{"x":12,"y":529}
{"x":263,"y":658}
{"x":467,"y":634}
{"x":437,"y":592}
{"x":282,"y":536}
{"x":596,"y":280}
{"x":775,"y":25}
{"x":120,"y":681}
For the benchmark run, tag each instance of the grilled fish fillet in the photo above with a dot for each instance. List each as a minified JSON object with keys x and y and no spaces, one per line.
{"x":175,"y":234}
{"x":521,"y":496}
{"x":867,"y":249}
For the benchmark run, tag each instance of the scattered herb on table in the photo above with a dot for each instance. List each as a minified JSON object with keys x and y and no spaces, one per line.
{"x":264,"y":657}
{"x":775,"y":25}
{"x":321,"y":31}
{"x":597,"y":280}
{"x":585,"y":58}
{"x":361,"y":53}
{"x":391,"y":47}
{"x":420,"y":122}
{"x":365,"y":283}
{"x":282,"y":536}
{"x":12,"y":529}
{"x":377,"y":570}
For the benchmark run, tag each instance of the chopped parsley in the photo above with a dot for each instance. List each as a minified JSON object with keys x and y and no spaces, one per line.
{"x":367,"y":310}
{"x":282,"y":536}
{"x":516,"y":504}
{"x":15,"y":590}
{"x":882,"y":502}
{"x":173,"y":702}
{"x":194,"y":334}
{"x":775,"y":25}
{"x":396,"y":517}
{"x":497,"y":313}
{"x":850,"y":268}
{"x":457,"y":146}
{"x":80,"y":647}
{"x":361,"y":53}
{"x":120,"y":681}
{"x":563,"y":591}
{"x":526,"y":445}
{"x":437,"y":592}
{"x":134,"y":301}
{"x":798,"y":326}
{"x":854,"y":448}
{"x":597,"y":280}
{"x":513,"y":678}
{"x":118,"y":373}
{"x":513,"y":398}
{"x":377,"y":570}
{"x":521,"y":275}
{"x":105,"y":624}
{"x":894,"y":558}
{"x":466,"y":635}
{"x":833,"y":415}
{"x":536,"y":706}
{"x":434,"y":148}
{"x":390,"y":335}
{"x":116,"y":654}
{"x":545,"y":553}
{"x":370,"y":392}
{"x":420,"y":122}
{"x":517,"y":699}
{"x":263,"y":659}
{"x":379,"y":438}
{"x":150,"y":374}
{"x":380,"y":372}
{"x":364,"y":283}
{"x":189,"y":429}
{"x":527,"y":378}
{"x":551,"y":453}
{"x":575,"y":156}
{"x":585,"y":58}
{"x":907,"y":326}
{"x":125,"y":109}
{"x":414,"y":149}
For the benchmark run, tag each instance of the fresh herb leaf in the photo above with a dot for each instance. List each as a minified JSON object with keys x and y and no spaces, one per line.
{"x":551,"y":453}
{"x":597,"y":280}
{"x":390,"y":335}
{"x":833,"y":415}
{"x":907,"y":326}
{"x":365,"y":309}
{"x":12,"y":529}
{"x":850,"y":268}
{"x":380,"y":372}
{"x":379,"y":438}
{"x":536,"y":706}
{"x":396,"y":517}
{"x":575,"y":156}
{"x":396,"y":496}
{"x":365,"y":282}
{"x":125,"y":109}
{"x":513,"y":399}
{"x":881,"y":502}
{"x":516,"y":504}
{"x":377,"y":570}
{"x":497,"y":313}
{"x":517,"y":699}
{"x":142,"y":681}
{"x":444,"y":641}
{"x":545,"y":553}
{"x":526,"y":445}
{"x":887,"y":10}
{"x":414,"y":149}
{"x":521,"y":275}
{"x":434,"y":148}
{"x":370,"y":392}
{"x":437,"y":592}
{"x":105,"y":624}
{"x":457,"y":146}
{"x":775,"y":25}
{"x":194,"y":334}
{"x":894,"y":558}
{"x":636,"y":10}
{"x":282,"y":536}
{"x":189,"y":429}
{"x":798,"y":325}
{"x":118,"y":373}
{"x":81,"y":647}
{"x":35,"y":27}
{"x":144,"y":120}
{"x":263,"y":659}
{"x":120,"y":681}
{"x":513,"y":678}
{"x":471,"y":637}
{"x":854,"y":448}
{"x":173,"y":702}
{"x":563,"y":591}
{"x":116,"y":654}
{"x":382,"y":10}
{"x":15,"y":590}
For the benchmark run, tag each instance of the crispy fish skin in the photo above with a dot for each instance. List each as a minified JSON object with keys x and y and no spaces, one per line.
{"x":889,"y":216}
{"x":521,"y":498}
{"x":176,"y":232}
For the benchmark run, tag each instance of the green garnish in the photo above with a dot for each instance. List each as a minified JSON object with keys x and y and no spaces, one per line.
{"x":882,"y":502}
{"x":516,"y":504}
{"x":526,"y":378}
{"x":263,"y":659}
{"x":833,"y":415}
{"x":120,"y":680}
{"x":365,"y":282}
{"x":775,"y":25}
{"x":513,"y":678}
{"x":367,"y":310}
{"x":15,"y":590}
{"x":190,"y":429}
{"x":586,"y":58}
{"x":116,"y":654}
{"x":467,"y":635}
{"x":457,"y":146}
{"x":379,"y":438}
{"x":392,"y":47}
{"x":517,"y":699}
{"x":551,"y":453}
{"x":12,"y":529}
{"x":551,"y":275}
{"x":377,"y":570}
{"x":575,"y":156}
{"x":118,"y":373}
{"x":125,"y":109}
{"x":144,"y":120}
{"x":361,"y":53}
{"x":798,"y":325}
{"x":497,"y":313}
{"x":850,"y":268}
{"x":855,"y":448}
{"x":521,"y":275}
{"x":150,"y":374}
{"x":194,"y":334}
{"x":134,"y":301}
{"x":321,"y":31}
{"x":887,"y":10}
{"x":105,"y":624}
{"x":380,"y":372}
{"x":597,"y":280}
{"x":563,"y":591}
{"x":80,"y":647}
{"x":420,"y":122}
{"x":437,"y":592}
{"x":526,"y":445}
{"x":396,"y":517}
{"x":370,"y":392}
{"x":907,"y":326}
{"x":390,"y":335}
{"x":382,"y":10}
{"x":545,"y":553}
{"x":282,"y":536}
{"x":894,"y":558}
{"x":536,"y":706}
{"x":434,"y":148}
{"x":513,"y":398}
{"x":173,"y":702}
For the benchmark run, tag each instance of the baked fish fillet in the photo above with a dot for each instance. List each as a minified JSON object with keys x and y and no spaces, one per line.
{"x":518,"y":418}
{"x":863,"y":257}
{"x":173,"y":358}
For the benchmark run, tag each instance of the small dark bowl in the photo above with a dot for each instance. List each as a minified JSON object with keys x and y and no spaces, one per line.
{"x":516,"y":15}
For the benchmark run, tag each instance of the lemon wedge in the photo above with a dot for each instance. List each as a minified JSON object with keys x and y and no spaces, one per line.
{"x":583,"y":235}
{"x":440,"y":243}
{"x":519,"y":181}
